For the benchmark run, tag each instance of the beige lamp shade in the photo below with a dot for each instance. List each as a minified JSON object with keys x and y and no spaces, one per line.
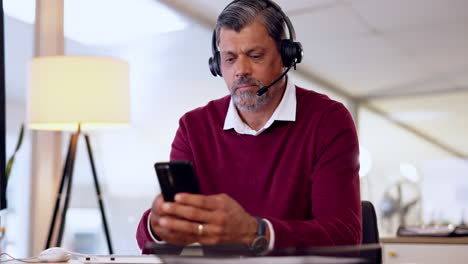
{"x":64,"y":91}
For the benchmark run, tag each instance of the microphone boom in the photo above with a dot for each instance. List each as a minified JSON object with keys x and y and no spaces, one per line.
{"x":264,"y":89}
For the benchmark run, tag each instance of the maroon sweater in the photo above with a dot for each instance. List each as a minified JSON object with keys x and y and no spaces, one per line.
{"x":302,"y":176}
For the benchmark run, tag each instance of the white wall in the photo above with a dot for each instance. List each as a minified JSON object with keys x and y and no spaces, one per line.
{"x":18,"y":188}
{"x":389,"y":146}
{"x":18,"y":50}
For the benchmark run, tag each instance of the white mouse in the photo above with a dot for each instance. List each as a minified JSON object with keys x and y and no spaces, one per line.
{"x":54,"y":254}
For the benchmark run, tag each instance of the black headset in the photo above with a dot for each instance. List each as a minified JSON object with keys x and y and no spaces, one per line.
{"x":291,"y":51}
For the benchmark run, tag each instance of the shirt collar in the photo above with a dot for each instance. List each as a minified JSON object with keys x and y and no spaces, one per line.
{"x":285,"y":111}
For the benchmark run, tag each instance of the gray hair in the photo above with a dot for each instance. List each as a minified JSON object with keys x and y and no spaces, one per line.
{"x":245,"y":12}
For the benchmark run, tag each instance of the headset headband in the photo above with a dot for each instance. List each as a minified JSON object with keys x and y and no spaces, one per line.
{"x":291,"y":31}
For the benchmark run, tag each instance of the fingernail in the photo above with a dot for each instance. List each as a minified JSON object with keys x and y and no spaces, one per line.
{"x":166,"y":206}
{"x":177,"y":197}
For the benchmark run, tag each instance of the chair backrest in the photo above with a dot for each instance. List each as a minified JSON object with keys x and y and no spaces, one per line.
{"x":370,"y":232}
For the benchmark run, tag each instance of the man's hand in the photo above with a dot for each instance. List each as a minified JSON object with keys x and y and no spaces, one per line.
{"x":224,"y":220}
{"x":170,"y":236}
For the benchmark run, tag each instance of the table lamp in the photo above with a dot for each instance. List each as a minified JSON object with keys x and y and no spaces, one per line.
{"x":68,"y":93}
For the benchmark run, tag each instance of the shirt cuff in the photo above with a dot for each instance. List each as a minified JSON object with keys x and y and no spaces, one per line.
{"x":271,"y":243}
{"x":148,"y":225}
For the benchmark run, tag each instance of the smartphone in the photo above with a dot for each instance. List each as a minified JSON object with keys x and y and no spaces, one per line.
{"x":176,"y":176}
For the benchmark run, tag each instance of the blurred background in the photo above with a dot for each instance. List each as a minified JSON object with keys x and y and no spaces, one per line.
{"x":400,"y":66}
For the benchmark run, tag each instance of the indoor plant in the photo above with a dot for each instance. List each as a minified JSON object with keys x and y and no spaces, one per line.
{"x":12,"y":158}
{"x":9,"y":165}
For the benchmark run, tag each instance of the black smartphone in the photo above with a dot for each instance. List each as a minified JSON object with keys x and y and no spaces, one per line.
{"x":176,"y":176}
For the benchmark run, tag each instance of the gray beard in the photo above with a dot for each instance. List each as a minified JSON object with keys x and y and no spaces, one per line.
{"x":248,"y":100}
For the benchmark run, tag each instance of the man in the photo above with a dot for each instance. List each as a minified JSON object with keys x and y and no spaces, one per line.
{"x":286,"y":160}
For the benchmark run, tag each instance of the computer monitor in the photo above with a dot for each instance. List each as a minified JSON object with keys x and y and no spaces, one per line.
{"x":3,"y":203}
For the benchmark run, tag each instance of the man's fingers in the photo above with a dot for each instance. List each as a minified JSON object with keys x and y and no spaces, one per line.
{"x":197,"y":230}
{"x":156,"y":206}
{"x":210,"y":240}
{"x":179,"y":225}
{"x":161,"y":232}
{"x":174,"y":237}
{"x":212,"y":202}
{"x":187,"y":212}
{"x":154,"y":219}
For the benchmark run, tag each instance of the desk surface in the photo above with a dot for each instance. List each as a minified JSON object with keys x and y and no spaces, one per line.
{"x":221,"y":260}
{"x":425,"y":240}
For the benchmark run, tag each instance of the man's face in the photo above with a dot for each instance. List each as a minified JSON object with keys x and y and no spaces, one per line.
{"x":249,"y":60}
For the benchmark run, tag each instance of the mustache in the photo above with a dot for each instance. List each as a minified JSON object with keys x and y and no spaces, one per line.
{"x":245,"y":80}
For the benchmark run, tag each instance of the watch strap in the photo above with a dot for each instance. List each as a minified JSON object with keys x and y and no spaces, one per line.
{"x":261,"y":230}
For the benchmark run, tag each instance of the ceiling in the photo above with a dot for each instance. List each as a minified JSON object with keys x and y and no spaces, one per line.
{"x":370,"y":47}
{"x":406,"y":59}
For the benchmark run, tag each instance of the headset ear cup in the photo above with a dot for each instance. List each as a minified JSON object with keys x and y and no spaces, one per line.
{"x":214,"y":63}
{"x":298,"y":51}
{"x":217,"y":59}
{"x":210,"y":64}
{"x":290,"y":52}
{"x":286,"y":55}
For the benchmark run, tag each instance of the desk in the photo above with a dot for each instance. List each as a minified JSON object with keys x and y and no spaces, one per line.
{"x":198,"y":260}
{"x":103,"y":259}
{"x":427,"y":250}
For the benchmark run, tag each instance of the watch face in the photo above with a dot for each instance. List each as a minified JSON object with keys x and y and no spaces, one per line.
{"x":259,"y":245}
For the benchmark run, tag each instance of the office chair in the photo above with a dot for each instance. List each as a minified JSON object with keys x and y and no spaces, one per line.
{"x":370,"y":232}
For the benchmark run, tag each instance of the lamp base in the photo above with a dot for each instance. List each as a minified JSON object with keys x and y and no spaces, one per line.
{"x":66,"y":180}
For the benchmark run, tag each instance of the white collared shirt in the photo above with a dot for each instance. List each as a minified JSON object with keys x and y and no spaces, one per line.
{"x":286,"y":111}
